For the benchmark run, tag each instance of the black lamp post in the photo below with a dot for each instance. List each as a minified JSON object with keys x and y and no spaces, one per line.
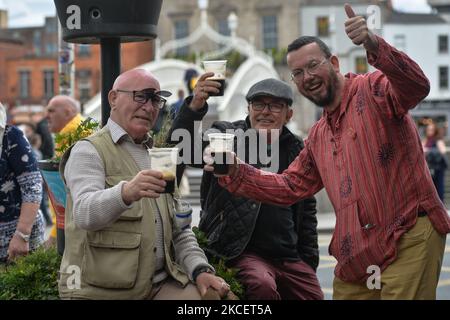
{"x":108,"y":23}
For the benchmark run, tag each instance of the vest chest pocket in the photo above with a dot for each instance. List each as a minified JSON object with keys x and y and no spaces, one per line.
{"x":111,"y":259}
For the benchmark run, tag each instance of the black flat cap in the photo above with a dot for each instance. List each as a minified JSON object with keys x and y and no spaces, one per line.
{"x":271,"y":88}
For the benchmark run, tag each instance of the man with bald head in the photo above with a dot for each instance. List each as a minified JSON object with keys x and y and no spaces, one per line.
{"x":63,"y":112}
{"x":63,"y":116}
{"x":122,"y":238}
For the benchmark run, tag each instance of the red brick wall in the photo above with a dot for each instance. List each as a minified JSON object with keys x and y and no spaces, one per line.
{"x":12,"y":60}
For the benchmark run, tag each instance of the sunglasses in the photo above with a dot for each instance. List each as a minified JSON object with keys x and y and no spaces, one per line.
{"x":143,"y":96}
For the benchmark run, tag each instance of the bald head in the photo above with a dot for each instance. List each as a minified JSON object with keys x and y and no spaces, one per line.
{"x":136,"y":79}
{"x":60,"y":110}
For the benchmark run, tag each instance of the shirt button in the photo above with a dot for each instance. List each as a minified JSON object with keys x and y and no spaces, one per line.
{"x":154,"y":249}
{"x":369,"y":226}
{"x":253,"y":206}
{"x":156,"y":221}
{"x":334,"y":152}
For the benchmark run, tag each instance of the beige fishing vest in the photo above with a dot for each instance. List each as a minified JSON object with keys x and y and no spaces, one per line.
{"x":118,"y":261}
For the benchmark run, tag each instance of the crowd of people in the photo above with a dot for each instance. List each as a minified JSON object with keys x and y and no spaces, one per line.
{"x":385,"y":186}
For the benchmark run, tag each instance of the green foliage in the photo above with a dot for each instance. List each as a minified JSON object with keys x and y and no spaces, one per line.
{"x":160,"y":137}
{"x":226,"y":273}
{"x":33,"y":277}
{"x":278,"y":55}
{"x":64,"y":141}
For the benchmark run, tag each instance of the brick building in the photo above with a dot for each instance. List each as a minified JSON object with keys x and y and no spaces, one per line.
{"x":29,"y":64}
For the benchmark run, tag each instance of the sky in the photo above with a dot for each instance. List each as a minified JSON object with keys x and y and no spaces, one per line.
{"x":30,"y":13}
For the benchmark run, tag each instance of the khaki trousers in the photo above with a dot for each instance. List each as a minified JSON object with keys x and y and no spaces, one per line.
{"x":414,"y":275}
{"x":169,"y":289}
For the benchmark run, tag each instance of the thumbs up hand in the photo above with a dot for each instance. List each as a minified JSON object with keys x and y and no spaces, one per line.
{"x":358,"y":32}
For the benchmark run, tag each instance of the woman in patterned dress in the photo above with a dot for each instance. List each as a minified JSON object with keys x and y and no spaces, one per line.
{"x":21,"y":224}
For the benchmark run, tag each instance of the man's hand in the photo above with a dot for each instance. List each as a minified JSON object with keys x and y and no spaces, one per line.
{"x":202,"y":90}
{"x":357,"y":30}
{"x":207,"y":280}
{"x":17,"y":247}
{"x":147,"y":183}
{"x":209,"y":163}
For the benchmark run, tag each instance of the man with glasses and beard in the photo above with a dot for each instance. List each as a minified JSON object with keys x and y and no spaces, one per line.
{"x":120,"y":230}
{"x":366,"y":152}
{"x":274,"y":247}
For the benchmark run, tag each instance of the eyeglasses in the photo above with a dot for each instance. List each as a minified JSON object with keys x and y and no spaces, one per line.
{"x":312,"y":68}
{"x":273,"y":106}
{"x":145,"y":95}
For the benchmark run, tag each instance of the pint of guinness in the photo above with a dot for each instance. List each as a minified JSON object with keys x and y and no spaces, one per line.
{"x":219,"y":69}
{"x":221,"y":145}
{"x":165,"y":160}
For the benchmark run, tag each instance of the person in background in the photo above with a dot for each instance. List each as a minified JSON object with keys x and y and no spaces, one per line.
{"x":21,"y":223}
{"x":33,"y":138}
{"x":175,"y":107}
{"x":435,"y":154}
{"x":47,"y":147}
{"x":47,"y":150}
{"x":63,"y":116}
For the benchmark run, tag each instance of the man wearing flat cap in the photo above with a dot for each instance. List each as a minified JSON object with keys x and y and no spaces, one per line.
{"x":276,"y":254}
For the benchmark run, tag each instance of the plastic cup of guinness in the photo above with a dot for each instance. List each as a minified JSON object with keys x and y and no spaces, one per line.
{"x":221,"y":145}
{"x":165,"y":160}
{"x":219,"y":68}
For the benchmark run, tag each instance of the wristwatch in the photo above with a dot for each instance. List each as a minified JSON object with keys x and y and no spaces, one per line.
{"x":199,"y":270}
{"x":25,"y":237}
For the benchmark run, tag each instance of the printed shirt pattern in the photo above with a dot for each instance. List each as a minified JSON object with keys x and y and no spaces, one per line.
{"x":20,"y":179}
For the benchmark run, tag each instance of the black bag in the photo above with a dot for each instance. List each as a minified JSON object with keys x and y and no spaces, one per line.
{"x":436,"y":160}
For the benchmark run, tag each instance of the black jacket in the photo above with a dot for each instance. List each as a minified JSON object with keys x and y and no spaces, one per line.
{"x":227,"y":220}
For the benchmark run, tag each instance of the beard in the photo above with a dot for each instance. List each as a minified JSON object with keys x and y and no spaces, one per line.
{"x":331,"y":92}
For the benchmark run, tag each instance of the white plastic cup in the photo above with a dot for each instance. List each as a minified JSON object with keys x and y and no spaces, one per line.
{"x":221,"y":145}
{"x":219,"y":68}
{"x":165,"y":160}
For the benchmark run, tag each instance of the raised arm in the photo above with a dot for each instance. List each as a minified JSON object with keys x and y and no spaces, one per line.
{"x":301,"y":180}
{"x":400,"y":84}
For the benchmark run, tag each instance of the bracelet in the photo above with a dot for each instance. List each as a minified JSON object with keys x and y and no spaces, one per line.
{"x":23,"y":236}
{"x":199,"y":270}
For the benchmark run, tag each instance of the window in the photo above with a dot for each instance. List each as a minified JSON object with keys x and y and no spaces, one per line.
{"x":51,"y":25}
{"x":49,"y":83}
{"x":24,"y":84}
{"x":83,"y":78}
{"x":443,"y":43}
{"x":443,"y":78}
{"x":223,"y":28}
{"x":50,"y":48}
{"x":37,"y":41}
{"x":84,"y":50}
{"x":84,"y":92}
{"x":400,"y":42}
{"x":270,"y":32}
{"x":182,"y":31}
{"x":323,"y":27}
{"x":361,"y":65}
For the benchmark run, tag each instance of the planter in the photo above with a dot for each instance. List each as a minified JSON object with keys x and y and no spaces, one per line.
{"x":57,"y":194}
